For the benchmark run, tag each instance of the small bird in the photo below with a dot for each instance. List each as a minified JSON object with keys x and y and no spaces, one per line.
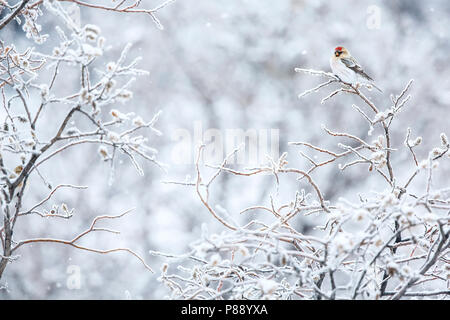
{"x":348,"y":70}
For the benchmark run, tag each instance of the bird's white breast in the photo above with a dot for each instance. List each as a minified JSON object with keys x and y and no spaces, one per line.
{"x":341,"y":70}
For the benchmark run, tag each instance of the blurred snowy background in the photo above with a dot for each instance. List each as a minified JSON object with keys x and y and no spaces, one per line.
{"x":227,"y":65}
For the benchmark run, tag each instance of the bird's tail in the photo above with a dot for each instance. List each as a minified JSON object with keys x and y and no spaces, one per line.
{"x":372,"y":84}
{"x":377,"y":88}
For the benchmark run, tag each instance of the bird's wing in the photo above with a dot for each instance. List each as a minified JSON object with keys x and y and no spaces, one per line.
{"x":352,"y":64}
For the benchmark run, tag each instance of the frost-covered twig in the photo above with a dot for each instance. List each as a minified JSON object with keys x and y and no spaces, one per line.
{"x":74,"y":241}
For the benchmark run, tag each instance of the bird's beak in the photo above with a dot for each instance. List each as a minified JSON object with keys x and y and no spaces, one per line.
{"x":336,"y":53}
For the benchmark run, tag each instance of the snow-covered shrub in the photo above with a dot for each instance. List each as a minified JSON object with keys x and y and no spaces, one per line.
{"x":391,"y":243}
{"x":33,"y":84}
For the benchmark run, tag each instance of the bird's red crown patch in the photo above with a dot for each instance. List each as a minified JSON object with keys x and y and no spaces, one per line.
{"x":338,"y":49}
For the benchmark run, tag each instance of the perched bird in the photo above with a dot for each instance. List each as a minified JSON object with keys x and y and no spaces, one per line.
{"x":348,"y":70}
